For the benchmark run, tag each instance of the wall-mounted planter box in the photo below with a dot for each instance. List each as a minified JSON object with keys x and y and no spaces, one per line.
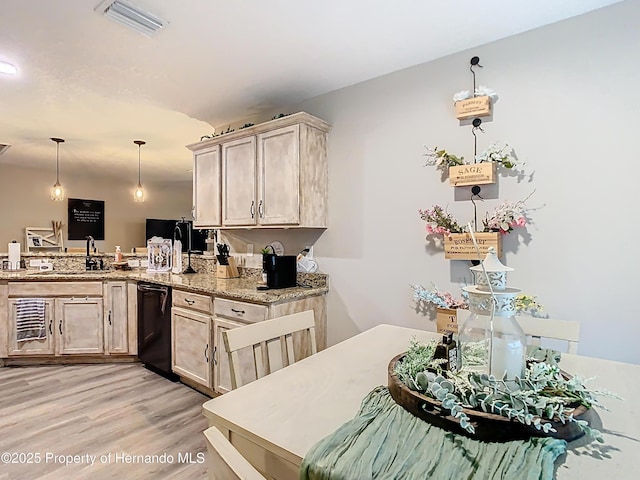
{"x":474,"y":174}
{"x":459,"y":246}
{"x":473,"y":107}
{"x":446,"y":320}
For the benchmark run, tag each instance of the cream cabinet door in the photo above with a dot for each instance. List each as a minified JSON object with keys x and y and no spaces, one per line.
{"x":239,"y":182}
{"x":116,"y":318}
{"x":206,"y":188}
{"x":222,"y":375}
{"x":80,"y":327}
{"x":45,"y":346}
{"x":191,"y":345}
{"x":279,"y":176}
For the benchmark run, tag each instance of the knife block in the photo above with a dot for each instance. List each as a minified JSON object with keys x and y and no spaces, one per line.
{"x":227,"y":271}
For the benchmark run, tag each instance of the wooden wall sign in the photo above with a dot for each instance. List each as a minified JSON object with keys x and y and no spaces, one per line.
{"x":446,"y":320}
{"x":474,"y":174}
{"x":459,"y":246}
{"x":473,"y":107}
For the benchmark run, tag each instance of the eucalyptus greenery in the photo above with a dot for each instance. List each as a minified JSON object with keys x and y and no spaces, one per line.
{"x":543,"y":392}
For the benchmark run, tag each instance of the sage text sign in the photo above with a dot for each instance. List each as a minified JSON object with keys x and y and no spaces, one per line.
{"x":474,"y":174}
{"x":459,"y":246}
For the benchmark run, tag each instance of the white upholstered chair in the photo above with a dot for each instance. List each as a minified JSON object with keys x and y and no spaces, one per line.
{"x":261,"y":336}
{"x":225,"y":462}
{"x":538,"y":328}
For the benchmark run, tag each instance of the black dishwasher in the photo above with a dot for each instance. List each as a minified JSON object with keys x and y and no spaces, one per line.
{"x":154,"y":328}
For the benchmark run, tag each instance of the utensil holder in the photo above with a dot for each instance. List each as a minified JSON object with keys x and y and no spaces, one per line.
{"x":227,"y":271}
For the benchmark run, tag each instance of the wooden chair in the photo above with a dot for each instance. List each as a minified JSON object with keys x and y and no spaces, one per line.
{"x":225,"y":462}
{"x":538,"y":328}
{"x":261,"y":335}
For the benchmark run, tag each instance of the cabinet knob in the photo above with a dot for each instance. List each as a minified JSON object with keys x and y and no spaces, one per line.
{"x":215,"y":351}
{"x":189,"y":302}
{"x":60,"y":327}
{"x":260,"y":210}
{"x":252,"y":209}
{"x":206,"y":351}
{"x":109,"y":317}
{"x":238,"y":312}
{"x":50,"y":327}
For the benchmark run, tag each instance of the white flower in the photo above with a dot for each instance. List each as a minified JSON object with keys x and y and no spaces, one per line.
{"x":482,"y":91}
{"x":462,"y":95}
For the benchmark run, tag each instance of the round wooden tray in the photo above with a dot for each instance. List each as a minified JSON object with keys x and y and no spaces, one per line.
{"x":488,"y":426}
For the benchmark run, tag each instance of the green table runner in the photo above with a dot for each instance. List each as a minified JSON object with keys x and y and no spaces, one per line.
{"x":386,"y":442}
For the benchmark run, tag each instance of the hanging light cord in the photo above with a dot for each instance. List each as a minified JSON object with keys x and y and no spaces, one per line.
{"x":139,"y":182}
{"x":57,"y":162}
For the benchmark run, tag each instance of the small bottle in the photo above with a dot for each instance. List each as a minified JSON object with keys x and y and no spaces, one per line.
{"x":448,"y":350}
{"x":118,"y":254}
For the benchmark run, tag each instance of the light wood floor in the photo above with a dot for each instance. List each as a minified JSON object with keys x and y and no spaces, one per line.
{"x":117,"y":409}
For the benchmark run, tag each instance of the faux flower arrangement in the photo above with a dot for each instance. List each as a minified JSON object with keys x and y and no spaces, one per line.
{"x":440,"y":158}
{"x":480,"y":91}
{"x":542,"y":393}
{"x":497,"y":152}
{"x":438,"y":298}
{"x":440,"y":222}
{"x":525,"y":304}
{"x":504,"y":219}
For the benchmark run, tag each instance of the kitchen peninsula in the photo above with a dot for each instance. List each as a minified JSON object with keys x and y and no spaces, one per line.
{"x":91,"y":316}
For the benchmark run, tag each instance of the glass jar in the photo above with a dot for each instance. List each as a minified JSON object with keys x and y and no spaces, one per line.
{"x":491,"y":340}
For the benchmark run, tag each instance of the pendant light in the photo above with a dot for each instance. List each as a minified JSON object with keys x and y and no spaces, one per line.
{"x":138,"y":195}
{"x":57,"y":192}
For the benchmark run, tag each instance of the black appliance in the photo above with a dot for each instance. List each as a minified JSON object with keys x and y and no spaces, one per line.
{"x":166,"y":229}
{"x":281,"y":270}
{"x":154,"y":328}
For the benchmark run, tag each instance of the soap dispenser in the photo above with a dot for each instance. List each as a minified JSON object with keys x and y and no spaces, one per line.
{"x":118,"y":254}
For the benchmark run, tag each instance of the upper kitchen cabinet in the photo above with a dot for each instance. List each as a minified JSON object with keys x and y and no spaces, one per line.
{"x":272,"y":175}
{"x":206,"y":187}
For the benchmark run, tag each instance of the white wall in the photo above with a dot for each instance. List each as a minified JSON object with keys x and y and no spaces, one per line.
{"x":25,"y":202}
{"x":569,"y":104}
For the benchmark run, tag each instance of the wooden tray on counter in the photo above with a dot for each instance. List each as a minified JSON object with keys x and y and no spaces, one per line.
{"x":489,"y":427}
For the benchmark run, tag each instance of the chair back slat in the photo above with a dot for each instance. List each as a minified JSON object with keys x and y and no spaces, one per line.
{"x":538,"y":328}
{"x":259,"y":336}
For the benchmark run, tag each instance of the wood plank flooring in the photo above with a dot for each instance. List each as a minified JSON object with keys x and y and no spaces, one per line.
{"x":121,"y":414}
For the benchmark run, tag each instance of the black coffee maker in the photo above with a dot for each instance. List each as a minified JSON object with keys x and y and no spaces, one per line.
{"x":281,"y":270}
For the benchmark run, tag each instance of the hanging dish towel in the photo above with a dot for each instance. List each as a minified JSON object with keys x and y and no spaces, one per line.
{"x":30,"y":322}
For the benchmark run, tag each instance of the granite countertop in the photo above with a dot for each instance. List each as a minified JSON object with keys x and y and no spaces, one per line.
{"x":243,"y":288}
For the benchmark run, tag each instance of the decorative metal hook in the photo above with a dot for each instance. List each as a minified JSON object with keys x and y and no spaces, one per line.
{"x":475,"y":192}
{"x":475,"y":62}
{"x":476,"y":126}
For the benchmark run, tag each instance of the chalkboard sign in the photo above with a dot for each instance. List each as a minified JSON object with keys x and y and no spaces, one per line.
{"x":86,"y":217}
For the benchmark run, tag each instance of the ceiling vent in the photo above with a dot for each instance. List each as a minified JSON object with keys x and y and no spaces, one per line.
{"x":4,"y":147}
{"x":126,"y":14}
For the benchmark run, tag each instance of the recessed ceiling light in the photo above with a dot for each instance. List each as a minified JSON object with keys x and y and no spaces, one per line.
{"x":130,"y":16}
{"x":8,"y":68}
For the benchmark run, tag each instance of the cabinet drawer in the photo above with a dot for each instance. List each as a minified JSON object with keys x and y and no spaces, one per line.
{"x":49,"y":289}
{"x":194,"y":301}
{"x":246,"y":312}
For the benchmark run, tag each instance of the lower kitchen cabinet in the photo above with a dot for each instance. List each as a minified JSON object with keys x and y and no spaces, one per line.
{"x":80,"y":326}
{"x":73,"y":326}
{"x":116,"y":321}
{"x":191,"y":345}
{"x":45,"y":346}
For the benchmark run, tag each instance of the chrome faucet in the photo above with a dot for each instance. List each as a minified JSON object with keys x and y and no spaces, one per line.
{"x":90,"y":263}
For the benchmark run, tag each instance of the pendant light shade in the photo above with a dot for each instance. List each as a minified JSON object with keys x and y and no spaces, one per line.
{"x":57,"y":192}
{"x":138,"y":194}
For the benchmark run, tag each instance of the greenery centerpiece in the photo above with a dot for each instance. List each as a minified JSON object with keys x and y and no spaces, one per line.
{"x":542,"y":396}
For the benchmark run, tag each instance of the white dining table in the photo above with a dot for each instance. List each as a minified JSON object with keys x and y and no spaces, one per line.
{"x":276,"y":420}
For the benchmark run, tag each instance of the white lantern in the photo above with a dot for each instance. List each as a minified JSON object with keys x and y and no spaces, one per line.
{"x":492,"y":342}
